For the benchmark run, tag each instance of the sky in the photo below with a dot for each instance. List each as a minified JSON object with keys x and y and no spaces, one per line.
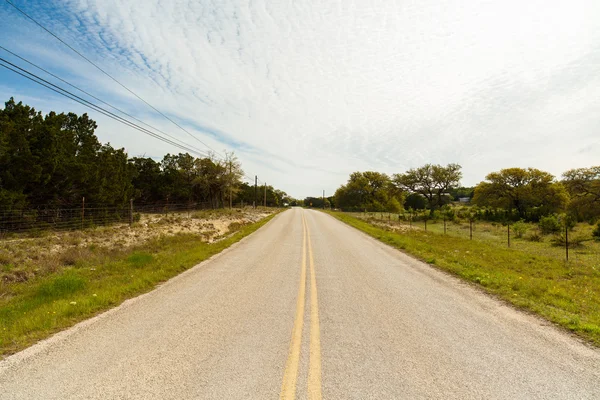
{"x":307,"y":92}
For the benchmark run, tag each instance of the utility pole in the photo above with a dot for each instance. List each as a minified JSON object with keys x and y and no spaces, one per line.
{"x":255,"y":183}
{"x":265,"y":203}
{"x":230,"y":189}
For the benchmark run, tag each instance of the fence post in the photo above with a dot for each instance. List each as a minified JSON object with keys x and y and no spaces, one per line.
{"x":425,"y":224}
{"x":508,"y":225}
{"x":130,"y":212}
{"x":567,"y":240}
{"x":82,"y":211}
{"x":471,"y":229}
{"x":444,"y":224}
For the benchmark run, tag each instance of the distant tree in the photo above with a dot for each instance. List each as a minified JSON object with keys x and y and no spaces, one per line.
{"x":147,"y":180}
{"x":432,"y":181}
{"x":583,"y":185}
{"x":368,"y":190}
{"x":415,"y":201}
{"x":530,"y":192}
{"x":233,"y":175}
{"x":459,"y":192}
{"x":56,"y":160}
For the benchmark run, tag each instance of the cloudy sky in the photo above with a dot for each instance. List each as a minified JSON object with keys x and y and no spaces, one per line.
{"x":306,"y":92}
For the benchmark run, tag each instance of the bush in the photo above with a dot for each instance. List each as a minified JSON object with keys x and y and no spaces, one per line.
{"x":137,"y":217}
{"x":519,"y":228}
{"x":549,"y":224}
{"x":559,"y":240}
{"x":596,"y":232}
{"x":535,"y":237}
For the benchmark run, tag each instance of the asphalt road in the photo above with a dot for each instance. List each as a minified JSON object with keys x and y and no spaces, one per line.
{"x":308,"y":307}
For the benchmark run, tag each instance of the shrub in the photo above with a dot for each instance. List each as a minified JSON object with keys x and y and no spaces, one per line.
{"x":137,"y":217}
{"x":535,"y":237}
{"x":575,"y":241}
{"x":596,"y":232}
{"x":549,"y":224}
{"x":519,"y":228}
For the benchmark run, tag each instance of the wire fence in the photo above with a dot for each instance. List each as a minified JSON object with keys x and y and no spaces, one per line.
{"x":575,"y":242}
{"x":45,"y":218}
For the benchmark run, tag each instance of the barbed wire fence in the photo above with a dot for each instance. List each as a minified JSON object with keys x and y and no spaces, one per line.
{"x":82,"y":216}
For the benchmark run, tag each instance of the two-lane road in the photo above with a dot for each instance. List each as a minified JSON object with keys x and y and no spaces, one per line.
{"x":307,"y":307}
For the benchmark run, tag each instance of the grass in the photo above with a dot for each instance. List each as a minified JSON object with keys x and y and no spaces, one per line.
{"x":31,"y":310}
{"x":582,"y":247}
{"x":566,"y":293}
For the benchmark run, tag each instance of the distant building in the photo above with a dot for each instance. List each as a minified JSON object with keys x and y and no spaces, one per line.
{"x":464,"y":199}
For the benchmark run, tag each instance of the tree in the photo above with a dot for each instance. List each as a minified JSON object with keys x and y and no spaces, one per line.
{"x":53,"y":161}
{"x":368,"y":190}
{"x":147,"y":179}
{"x":583,"y":185}
{"x":234,"y":175}
{"x":530,"y":192}
{"x":415,"y":201}
{"x":431,"y":181}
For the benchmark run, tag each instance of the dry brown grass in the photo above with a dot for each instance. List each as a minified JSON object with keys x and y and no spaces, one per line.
{"x":44,"y":253}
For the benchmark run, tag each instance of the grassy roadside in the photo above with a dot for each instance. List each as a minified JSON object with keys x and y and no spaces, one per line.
{"x":32,"y":311}
{"x":567,"y":294}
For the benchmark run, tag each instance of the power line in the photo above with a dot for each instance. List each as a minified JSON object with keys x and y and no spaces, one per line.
{"x":107,"y":74}
{"x":49,"y":85}
{"x":31,"y":76}
{"x":112,"y":78}
{"x":98,"y":99}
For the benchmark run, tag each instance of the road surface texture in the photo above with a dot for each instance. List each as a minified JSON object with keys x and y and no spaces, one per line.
{"x":308,"y":307}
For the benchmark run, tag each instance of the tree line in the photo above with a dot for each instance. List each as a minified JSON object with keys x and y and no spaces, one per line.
{"x":55,"y":160}
{"x":511,"y":194}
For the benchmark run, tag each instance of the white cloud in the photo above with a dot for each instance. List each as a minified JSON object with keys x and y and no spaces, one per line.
{"x":321,"y":89}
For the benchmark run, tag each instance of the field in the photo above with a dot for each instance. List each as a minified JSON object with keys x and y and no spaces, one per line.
{"x":530,"y":275}
{"x":54,"y":280}
{"x":582,"y":247}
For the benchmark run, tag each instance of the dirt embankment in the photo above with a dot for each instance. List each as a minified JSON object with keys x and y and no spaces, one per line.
{"x":24,"y":257}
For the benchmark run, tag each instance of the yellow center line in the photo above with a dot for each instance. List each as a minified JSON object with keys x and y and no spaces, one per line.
{"x":288,"y":387}
{"x":314,"y":364}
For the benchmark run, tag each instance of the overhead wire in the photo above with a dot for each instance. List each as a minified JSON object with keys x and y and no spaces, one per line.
{"x":107,"y":74}
{"x":112,"y":78}
{"x":96,"y":98}
{"x":34,"y":78}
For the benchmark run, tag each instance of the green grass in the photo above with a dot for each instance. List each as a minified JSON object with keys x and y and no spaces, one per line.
{"x":566,"y":293}
{"x":33,"y":310}
{"x":587,"y":252}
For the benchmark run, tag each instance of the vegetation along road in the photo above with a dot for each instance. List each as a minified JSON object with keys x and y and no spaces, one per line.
{"x":308,"y":307}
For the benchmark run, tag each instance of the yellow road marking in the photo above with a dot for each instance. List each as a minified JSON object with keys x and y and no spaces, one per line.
{"x":288,"y":387}
{"x":314,"y":364}
{"x":290,"y":375}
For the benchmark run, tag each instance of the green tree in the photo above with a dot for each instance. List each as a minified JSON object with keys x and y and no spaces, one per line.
{"x":530,"y":193}
{"x":368,"y":190}
{"x":583,"y":185}
{"x":415,"y":201}
{"x":432,"y":181}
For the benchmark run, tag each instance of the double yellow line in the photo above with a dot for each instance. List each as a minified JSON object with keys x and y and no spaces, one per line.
{"x":290,"y":376}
